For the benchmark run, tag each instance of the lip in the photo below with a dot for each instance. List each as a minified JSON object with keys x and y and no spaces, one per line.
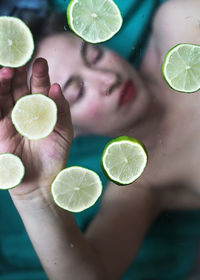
{"x":127,"y":93}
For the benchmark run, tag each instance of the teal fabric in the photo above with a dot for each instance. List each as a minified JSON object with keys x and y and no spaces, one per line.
{"x":132,"y":39}
{"x":168,"y":252}
{"x":18,"y":260}
{"x":170,"y":248}
{"x":86,"y":151}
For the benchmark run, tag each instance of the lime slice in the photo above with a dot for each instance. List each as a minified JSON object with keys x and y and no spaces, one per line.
{"x":94,"y":21}
{"x":34,"y":116}
{"x":181,"y":68}
{"x":124,"y":160}
{"x":11,"y":171}
{"x":76,"y":188}
{"x":16,"y":42}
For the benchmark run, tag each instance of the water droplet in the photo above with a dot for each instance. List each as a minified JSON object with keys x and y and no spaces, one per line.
{"x":35,"y":118}
{"x":94,"y":15}
{"x":10,"y":42}
{"x":65,"y":27}
{"x":71,"y":245}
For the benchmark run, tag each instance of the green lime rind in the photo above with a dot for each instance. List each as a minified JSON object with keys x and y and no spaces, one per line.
{"x":10,"y":174}
{"x":168,"y":56}
{"x":121,"y":139}
{"x":18,"y":126}
{"x":30,"y":47}
{"x":77,"y":181}
{"x":70,"y":20}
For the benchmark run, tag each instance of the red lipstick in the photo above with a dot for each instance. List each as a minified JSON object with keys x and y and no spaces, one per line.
{"x":127,"y":93}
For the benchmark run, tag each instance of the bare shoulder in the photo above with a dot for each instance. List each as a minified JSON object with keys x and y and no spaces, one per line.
{"x":176,"y":21}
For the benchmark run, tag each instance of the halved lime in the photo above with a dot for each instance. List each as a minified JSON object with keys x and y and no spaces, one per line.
{"x":181,"y":68}
{"x":34,"y":116}
{"x":94,"y":21}
{"x":76,"y":188}
{"x":124,"y":159}
{"x":16,"y":42}
{"x":11,"y":171}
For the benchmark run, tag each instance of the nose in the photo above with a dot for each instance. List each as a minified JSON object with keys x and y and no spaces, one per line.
{"x":108,"y":80}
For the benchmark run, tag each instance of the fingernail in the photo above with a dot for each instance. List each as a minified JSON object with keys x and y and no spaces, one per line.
{"x":56,"y":87}
{"x":40,"y":59}
{"x":40,"y":65}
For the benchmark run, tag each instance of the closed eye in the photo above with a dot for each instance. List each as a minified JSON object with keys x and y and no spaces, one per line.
{"x":91,"y":54}
{"x":73,"y":89}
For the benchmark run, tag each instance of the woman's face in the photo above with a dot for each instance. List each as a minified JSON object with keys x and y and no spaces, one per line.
{"x":104,"y":92}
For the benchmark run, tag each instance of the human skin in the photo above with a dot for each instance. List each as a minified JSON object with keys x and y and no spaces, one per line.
{"x":91,"y":79}
{"x":171,"y":180}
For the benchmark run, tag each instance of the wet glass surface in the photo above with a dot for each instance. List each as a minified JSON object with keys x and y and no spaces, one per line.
{"x":93,"y":78}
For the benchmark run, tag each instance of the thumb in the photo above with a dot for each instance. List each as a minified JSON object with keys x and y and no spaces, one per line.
{"x":64,"y":122}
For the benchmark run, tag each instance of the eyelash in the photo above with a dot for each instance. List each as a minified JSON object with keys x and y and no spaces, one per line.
{"x":98,"y":57}
{"x":84,"y":50}
{"x":81,"y":92}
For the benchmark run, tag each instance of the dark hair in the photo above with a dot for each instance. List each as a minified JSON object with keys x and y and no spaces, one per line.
{"x":54,"y":22}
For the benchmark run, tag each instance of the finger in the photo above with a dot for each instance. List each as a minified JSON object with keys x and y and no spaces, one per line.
{"x":6,"y":99}
{"x":64,"y":123}
{"x":40,"y":81}
{"x":19,"y":84}
{"x":6,"y":75}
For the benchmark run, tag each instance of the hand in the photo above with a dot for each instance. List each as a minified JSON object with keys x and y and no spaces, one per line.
{"x":42,"y":159}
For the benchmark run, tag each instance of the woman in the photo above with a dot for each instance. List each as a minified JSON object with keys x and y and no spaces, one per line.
{"x":149,"y":111}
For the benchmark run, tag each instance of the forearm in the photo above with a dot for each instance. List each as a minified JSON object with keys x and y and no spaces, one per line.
{"x":110,"y":244}
{"x":61,"y":247}
{"x":119,"y":229}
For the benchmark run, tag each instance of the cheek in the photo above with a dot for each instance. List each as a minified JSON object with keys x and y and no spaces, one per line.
{"x":56,"y":73}
{"x":116,"y":61}
{"x":89,"y":113}
{"x":92,"y":111}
